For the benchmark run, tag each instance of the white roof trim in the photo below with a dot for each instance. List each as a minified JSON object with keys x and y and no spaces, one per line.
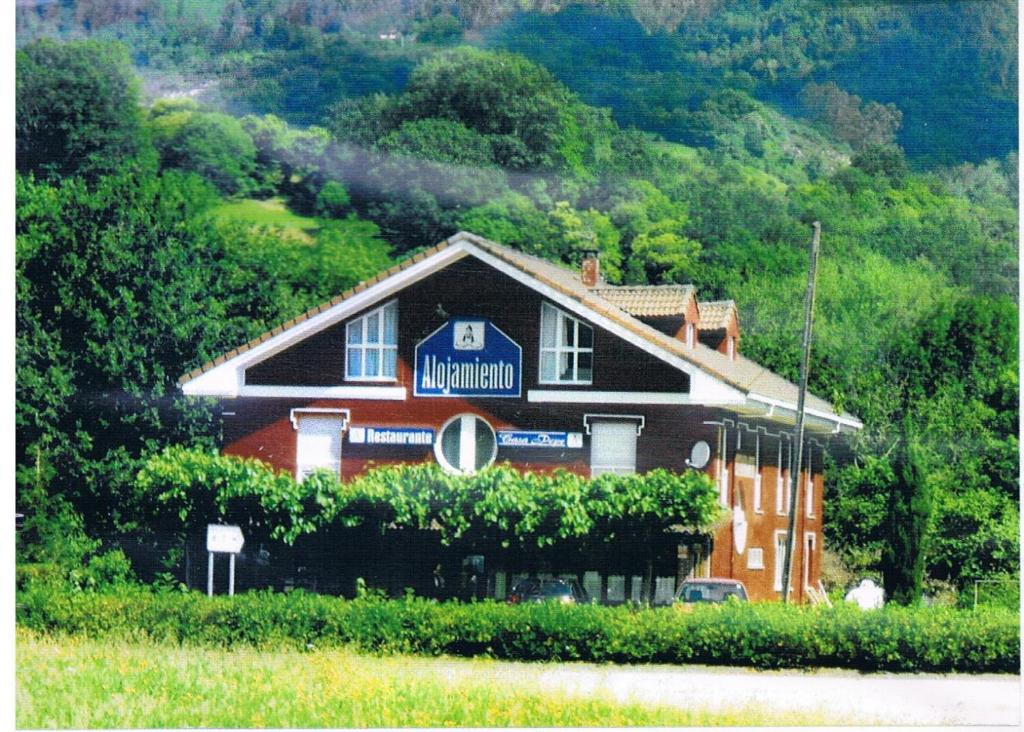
{"x":702,"y":384}
{"x":225,"y":380}
{"x":294,"y":415}
{"x":581,"y":396}
{"x":382,"y":393}
{"x":835,"y":419}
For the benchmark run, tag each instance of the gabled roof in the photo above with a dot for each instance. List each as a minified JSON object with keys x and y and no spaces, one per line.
{"x":740,"y":384}
{"x":715,"y":314}
{"x":649,"y":301}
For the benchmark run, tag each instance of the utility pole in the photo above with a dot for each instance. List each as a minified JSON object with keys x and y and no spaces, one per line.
{"x":804,"y":366}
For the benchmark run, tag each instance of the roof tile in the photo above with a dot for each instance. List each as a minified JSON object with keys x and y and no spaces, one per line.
{"x":649,"y":301}
{"x":714,"y":314}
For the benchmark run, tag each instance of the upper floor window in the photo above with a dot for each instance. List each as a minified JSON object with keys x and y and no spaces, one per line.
{"x":371,"y":345}
{"x":691,"y":333}
{"x":566,"y":348}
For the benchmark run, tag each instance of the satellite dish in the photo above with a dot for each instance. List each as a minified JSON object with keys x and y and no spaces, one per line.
{"x":699,"y":455}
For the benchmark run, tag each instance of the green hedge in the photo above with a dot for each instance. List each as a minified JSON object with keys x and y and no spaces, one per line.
{"x":760,"y":635}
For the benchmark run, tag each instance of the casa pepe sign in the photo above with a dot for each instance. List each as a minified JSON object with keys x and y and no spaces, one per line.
{"x":468,"y":357}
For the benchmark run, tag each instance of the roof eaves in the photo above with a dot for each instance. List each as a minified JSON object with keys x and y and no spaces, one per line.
{"x":315,"y":310}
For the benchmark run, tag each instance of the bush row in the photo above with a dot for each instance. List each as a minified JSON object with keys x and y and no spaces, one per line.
{"x":759,"y":635}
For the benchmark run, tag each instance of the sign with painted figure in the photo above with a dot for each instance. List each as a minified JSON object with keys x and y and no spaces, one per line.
{"x":468,"y":357}
{"x":390,"y":436}
{"x":470,"y":335}
{"x":538,"y":438}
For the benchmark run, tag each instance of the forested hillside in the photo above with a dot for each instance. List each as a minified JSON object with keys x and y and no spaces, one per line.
{"x":190,"y":174}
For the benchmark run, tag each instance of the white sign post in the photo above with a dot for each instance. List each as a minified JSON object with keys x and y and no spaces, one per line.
{"x":224,"y":540}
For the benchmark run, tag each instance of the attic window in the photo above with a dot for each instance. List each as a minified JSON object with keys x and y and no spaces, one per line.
{"x":730,"y":347}
{"x":690,"y":332}
{"x":566,"y":348}
{"x":371,"y":345}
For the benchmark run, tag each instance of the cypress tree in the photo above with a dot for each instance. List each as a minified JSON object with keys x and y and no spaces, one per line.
{"x":909,"y":511}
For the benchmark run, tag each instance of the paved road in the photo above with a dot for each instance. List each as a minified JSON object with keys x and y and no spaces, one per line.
{"x":855,"y":698}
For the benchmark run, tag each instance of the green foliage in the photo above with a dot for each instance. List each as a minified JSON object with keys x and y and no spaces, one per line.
{"x":120,"y":290}
{"x":561,"y":234}
{"x":953,"y":371}
{"x":53,"y":549}
{"x":443,"y":140}
{"x":887,"y":160}
{"x":523,"y":118}
{"x":909,"y":511}
{"x":443,"y":29}
{"x":843,"y":114}
{"x":191,"y":487}
{"x":757,"y":635}
{"x":76,"y":110}
{"x":996,"y":590}
{"x":214,"y":145}
{"x":333,"y":200}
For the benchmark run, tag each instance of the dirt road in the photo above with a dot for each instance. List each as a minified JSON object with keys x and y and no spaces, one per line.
{"x":855,"y":698}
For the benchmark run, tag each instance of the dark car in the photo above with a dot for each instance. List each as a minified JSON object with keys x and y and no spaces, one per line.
{"x":711,"y":590}
{"x":567,"y":592}
{"x":522,"y":589}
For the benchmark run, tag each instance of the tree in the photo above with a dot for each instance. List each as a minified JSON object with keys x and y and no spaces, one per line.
{"x":77,"y":110}
{"x":214,"y":145}
{"x":333,"y":200}
{"x":907,"y":521}
{"x":441,"y":140}
{"x":849,"y":120}
{"x":120,"y":290}
{"x":505,"y":95}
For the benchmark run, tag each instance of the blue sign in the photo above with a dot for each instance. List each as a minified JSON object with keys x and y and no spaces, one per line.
{"x":468,"y":357}
{"x":390,"y":436}
{"x":536,"y":438}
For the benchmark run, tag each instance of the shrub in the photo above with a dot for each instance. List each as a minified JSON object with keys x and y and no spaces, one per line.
{"x":758,"y":635}
{"x":192,"y":486}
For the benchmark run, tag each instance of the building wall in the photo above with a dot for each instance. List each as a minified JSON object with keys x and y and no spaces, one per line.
{"x":262,"y":428}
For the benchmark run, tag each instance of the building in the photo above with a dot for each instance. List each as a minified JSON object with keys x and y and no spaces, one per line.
{"x":472,"y":352}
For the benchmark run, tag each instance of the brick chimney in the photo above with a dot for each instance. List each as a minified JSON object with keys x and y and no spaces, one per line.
{"x":590,"y":270}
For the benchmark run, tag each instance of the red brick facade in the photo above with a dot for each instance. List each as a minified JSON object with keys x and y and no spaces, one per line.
{"x":628,"y":381}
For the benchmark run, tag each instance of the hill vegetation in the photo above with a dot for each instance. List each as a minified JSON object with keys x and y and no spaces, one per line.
{"x":146,"y":243}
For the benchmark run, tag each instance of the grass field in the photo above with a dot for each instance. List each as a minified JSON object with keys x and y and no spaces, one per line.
{"x":269,"y":212}
{"x":71,"y":682}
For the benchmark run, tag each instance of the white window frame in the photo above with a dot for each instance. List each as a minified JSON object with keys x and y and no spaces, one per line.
{"x":755,"y":558}
{"x":809,"y":486}
{"x":782,"y":486}
{"x":561,"y":319}
{"x":758,"y":504}
{"x":691,"y":332}
{"x":808,"y":555}
{"x":467,"y":442}
{"x":364,"y":345}
{"x":778,"y":567}
{"x":723,"y":466}
{"x":730,"y":348}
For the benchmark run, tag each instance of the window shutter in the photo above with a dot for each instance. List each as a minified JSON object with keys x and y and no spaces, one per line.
{"x":613,"y":447}
{"x":319,"y":443}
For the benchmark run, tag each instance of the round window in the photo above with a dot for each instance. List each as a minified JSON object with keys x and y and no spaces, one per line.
{"x":467,"y":444}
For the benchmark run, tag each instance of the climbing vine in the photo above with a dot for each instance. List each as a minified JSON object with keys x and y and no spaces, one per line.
{"x":190,"y":487}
